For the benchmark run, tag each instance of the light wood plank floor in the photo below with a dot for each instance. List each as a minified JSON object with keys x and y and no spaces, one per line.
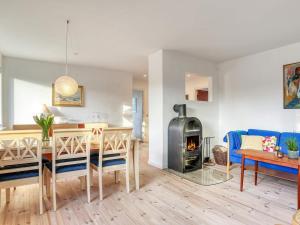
{"x":163,"y":199}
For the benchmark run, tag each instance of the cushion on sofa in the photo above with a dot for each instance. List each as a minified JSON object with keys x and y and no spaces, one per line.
{"x":269,"y":143}
{"x":252,"y":142}
{"x":265,"y":133}
{"x":283,"y":138}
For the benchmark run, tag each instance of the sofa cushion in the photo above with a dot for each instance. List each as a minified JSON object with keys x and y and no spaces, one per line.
{"x":269,"y":143}
{"x":252,"y":142}
{"x":283,"y":138}
{"x":265,"y":133}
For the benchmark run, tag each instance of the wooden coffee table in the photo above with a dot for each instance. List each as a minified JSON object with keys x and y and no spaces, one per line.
{"x":266,"y":157}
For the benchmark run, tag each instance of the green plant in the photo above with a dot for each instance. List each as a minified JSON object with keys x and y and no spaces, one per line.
{"x":292,"y":144}
{"x":45,"y":121}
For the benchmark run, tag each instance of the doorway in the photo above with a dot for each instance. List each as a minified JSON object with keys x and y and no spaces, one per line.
{"x":137,"y":111}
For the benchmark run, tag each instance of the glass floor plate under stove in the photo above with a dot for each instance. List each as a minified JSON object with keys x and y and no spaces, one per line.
{"x":205,"y":176}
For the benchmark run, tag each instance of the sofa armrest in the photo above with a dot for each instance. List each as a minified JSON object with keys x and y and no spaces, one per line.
{"x":233,"y":138}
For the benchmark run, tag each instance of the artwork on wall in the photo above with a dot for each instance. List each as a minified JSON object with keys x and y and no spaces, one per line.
{"x":291,"y":86}
{"x":75,"y":100}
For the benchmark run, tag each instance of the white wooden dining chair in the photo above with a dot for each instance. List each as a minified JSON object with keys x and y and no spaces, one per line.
{"x":97,"y":129}
{"x":70,"y":158}
{"x":21,"y":161}
{"x":113,"y":154}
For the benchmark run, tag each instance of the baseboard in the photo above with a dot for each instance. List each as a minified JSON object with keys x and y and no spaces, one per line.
{"x":155,"y":164}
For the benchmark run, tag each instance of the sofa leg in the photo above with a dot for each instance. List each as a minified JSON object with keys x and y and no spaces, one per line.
{"x":228,"y":166}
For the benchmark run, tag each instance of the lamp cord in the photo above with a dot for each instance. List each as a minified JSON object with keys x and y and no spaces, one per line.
{"x":67,"y":34}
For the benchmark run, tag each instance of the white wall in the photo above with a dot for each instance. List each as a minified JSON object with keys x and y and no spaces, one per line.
{"x":1,"y":90}
{"x":251,"y":92}
{"x":27,"y":86}
{"x":168,"y":71}
{"x":142,"y":85}
{"x":155,"y":80}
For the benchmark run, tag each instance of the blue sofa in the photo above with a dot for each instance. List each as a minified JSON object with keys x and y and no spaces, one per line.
{"x":235,"y":144}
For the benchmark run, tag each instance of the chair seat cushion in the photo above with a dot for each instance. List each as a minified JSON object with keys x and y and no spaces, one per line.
{"x":45,"y":160}
{"x":96,"y":154}
{"x":68,"y":168}
{"x":18,"y":166}
{"x":113,"y":162}
{"x":19,"y":175}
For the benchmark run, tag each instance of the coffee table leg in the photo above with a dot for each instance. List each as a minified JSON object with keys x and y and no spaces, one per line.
{"x":242,"y":172}
{"x":256,"y":169}
{"x":298,"y":203}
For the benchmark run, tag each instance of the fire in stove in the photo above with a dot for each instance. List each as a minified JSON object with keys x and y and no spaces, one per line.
{"x":191,"y":146}
{"x":192,"y":143}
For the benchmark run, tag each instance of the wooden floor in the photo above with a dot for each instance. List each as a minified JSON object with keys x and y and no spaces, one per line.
{"x":162,"y":199}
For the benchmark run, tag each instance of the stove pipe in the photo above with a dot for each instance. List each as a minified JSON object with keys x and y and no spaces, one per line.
{"x":180,"y":109}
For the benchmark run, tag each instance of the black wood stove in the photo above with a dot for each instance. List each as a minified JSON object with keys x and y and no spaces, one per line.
{"x":184,"y":142}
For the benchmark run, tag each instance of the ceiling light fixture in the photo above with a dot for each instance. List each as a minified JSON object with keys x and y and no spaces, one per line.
{"x":66,"y":85}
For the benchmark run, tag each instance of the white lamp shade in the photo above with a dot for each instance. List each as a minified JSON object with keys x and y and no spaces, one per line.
{"x":66,"y":86}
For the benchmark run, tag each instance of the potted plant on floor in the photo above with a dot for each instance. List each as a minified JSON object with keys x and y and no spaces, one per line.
{"x":292,"y":145}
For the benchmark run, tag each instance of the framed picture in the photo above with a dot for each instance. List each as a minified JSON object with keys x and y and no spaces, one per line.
{"x":74,"y":100}
{"x":291,"y":86}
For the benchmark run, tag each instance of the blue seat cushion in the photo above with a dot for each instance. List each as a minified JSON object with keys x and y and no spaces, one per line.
{"x":265,"y":133}
{"x":104,"y":156}
{"x":45,"y":160}
{"x":19,"y":175}
{"x":18,"y":166}
{"x":67,"y":168}
{"x":94,"y":154}
{"x":113,"y":162}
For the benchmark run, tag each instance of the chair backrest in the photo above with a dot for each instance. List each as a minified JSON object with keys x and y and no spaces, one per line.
{"x":97,"y":129}
{"x":115,"y":143}
{"x":71,"y":144}
{"x":20,"y":148}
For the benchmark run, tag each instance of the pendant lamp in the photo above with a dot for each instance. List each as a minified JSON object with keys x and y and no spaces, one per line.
{"x":65,"y":85}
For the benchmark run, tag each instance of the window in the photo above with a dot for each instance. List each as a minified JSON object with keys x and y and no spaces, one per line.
{"x":198,"y":88}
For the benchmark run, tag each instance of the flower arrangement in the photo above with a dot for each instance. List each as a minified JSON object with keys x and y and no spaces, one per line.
{"x":45,"y":121}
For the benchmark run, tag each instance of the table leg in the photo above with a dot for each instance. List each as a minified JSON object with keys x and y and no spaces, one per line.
{"x":242,"y":172}
{"x":137,"y":164}
{"x":7,"y":195}
{"x":255,"y":169}
{"x":298,"y":206}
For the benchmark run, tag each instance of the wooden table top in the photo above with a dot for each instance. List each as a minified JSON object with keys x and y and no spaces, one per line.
{"x":270,"y":157}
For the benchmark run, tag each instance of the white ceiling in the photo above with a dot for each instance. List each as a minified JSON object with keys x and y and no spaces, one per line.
{"x":121,"y":34}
